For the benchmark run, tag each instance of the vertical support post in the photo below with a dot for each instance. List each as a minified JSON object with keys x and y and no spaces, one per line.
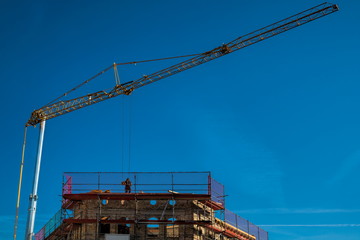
{"x":248,"y":226}
{"x":172,"y":183}
{"x":33,"y":196}
{"x":236,"y":221}
{"x":98,"y":181}
{"x":209,"y":187}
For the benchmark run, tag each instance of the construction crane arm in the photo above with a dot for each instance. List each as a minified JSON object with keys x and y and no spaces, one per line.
{"x":62,"y":107}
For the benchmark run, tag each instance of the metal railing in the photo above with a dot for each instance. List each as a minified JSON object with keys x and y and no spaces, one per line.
{"x":53,"y":224}
{"x":144,"y":182}
{"x":244,"y":225}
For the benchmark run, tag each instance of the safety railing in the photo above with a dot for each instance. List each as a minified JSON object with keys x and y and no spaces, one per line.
{"x":66,"y":189}
{"x":143,"y":182}
{"x":244,"y":225}
{"x":217,"y":192}
{"x":53,"y":224}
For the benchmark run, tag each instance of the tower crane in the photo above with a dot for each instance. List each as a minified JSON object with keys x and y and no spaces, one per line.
{"x":62,"y":107}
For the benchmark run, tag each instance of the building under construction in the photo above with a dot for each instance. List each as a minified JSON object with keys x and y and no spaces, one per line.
{"x":147,"y":205}
{"x":124,"y":206}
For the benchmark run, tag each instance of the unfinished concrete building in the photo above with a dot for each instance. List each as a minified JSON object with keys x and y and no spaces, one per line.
{"x":137,"y":206}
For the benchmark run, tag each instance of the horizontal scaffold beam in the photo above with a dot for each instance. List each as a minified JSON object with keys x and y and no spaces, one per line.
{"x":144,"y":221}
{"x":136,"y":196}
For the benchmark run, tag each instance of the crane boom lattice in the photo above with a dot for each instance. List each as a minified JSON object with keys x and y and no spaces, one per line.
{"x":66,"y":106}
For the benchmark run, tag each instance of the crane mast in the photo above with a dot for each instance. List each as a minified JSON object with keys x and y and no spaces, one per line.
{"x":66,"y":106}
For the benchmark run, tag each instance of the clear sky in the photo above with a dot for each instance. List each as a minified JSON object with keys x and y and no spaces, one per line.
{"x":278,"y":123}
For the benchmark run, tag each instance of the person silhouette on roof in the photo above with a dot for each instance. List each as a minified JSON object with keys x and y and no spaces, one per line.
{"x":127,"y":184}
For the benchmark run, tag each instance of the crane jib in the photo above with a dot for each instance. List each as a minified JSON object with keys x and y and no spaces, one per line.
{"x":62,"y":107}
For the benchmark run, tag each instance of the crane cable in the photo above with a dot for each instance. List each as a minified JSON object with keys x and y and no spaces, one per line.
{"x":19,"y":185}
{"x":123,"y":134}
{"x":130,"y":132}
{"x":112,"y":66}
{"x":159,"y":59}
{"x":126,"y":125}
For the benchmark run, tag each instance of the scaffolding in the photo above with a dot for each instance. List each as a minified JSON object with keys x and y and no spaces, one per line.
{"x":171,"y":205}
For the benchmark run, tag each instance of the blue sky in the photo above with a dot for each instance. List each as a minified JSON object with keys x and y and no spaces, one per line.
{"x":277,"y":123}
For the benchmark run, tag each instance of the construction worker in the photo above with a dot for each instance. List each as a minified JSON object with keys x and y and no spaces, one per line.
{"x":127,"y":184}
